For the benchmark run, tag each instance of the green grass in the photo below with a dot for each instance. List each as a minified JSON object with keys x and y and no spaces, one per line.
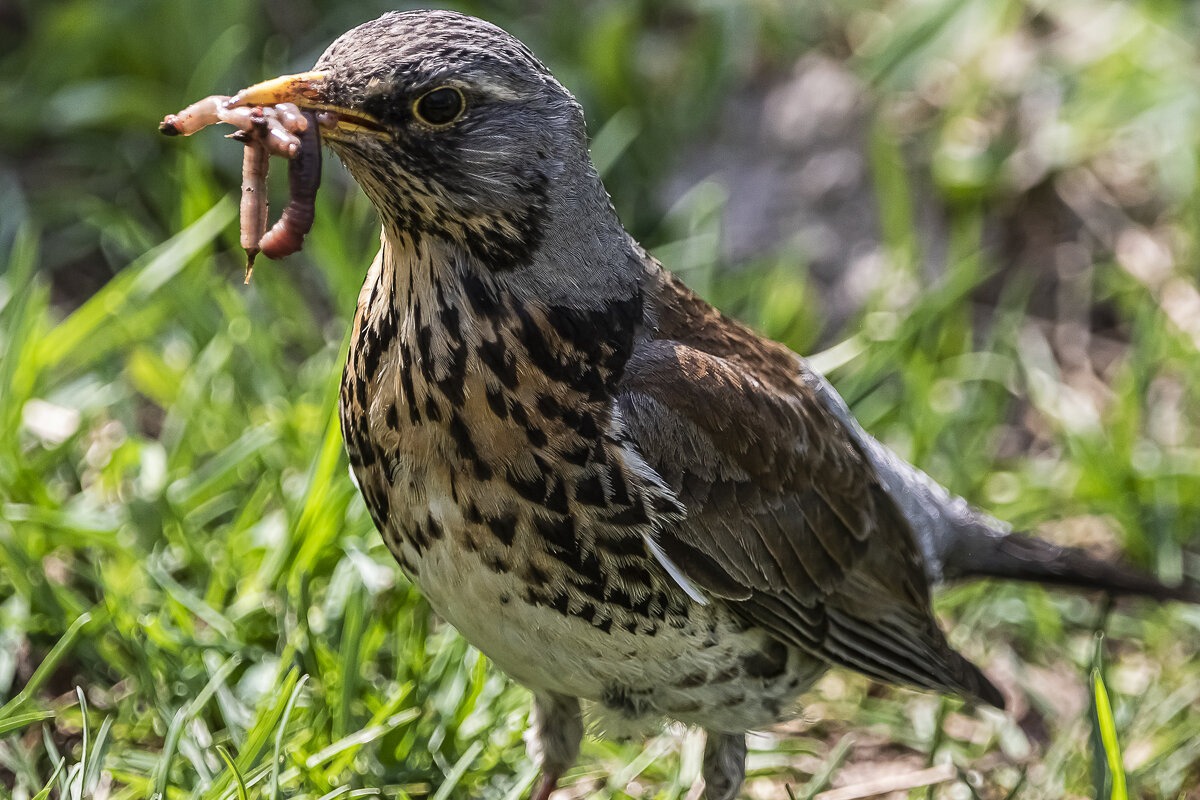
{"x":178,"y":534}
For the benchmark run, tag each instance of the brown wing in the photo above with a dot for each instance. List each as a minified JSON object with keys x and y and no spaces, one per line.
{"x":786,"y":518}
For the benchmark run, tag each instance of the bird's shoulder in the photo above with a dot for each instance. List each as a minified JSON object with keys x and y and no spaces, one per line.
{"x":774,"y":483}
{"x":784,"y":516}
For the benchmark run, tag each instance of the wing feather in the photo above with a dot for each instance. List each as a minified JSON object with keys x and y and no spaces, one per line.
{"x":786,"y":517}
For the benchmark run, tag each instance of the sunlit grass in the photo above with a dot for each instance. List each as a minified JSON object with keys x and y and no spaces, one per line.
{"x":180,"y":539}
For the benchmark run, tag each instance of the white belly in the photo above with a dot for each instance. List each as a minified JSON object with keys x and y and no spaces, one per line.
{"x":691,"y":673}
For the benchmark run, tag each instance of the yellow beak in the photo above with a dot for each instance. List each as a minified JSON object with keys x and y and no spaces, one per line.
{"x":305,"y":90}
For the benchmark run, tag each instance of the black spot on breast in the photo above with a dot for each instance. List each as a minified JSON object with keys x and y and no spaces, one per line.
{"x":556,"y":500}
{"x":497,"y":360}
{"x":367,"y":455}
{"x":480,"y":295}
{"x":433,"y":529}
{"x":629,"y":702}
{"x":590,"y":491}
{"x":370,"y":352}
{"x":636,"y":574}
{"x":536,"y":436}
{"x":452,"y":384}
{"x":642,"y":606}
{"x":587,"y":426}
{"x":406,"y":383}
{"x":592,"y":586}
{"x":625,"y":546}
{"x":617,"y":596}
{"x":603,"y":336}
{"x":360,"y":392}
{"x":616,"y":481}
{"x":558,"y":532}
{"x":600,"y":456}
{"x":577,"y":454}
{"x":519,"y":415}
{"x":561,"y":603}
{"x":504,"y":528}
{"x":632,"y":515}
{"x":462,"y":438}
{"x":495,"y":401}
{"x":541,"y":353}
{"x":533,"y":489}
{"x":548,"y":407}
{"x":432,"y":412}
{"x":535,"y":576}
{"x":448,"y":312}
{"x":417,"y":537}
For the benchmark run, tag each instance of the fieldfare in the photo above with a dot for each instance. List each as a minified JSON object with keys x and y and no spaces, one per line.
{"x":615,"y":492}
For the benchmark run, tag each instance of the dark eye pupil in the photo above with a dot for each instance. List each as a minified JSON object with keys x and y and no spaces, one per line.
{"x":440,"y":106}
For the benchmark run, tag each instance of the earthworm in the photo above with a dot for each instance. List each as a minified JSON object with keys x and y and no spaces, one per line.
{"x":255,"y":162}
{"x":291,"y":117}
{"x":304,"y":176}
{"x":281,"y":122}
{"x":199,"y":114}
{"x":278,"y":139}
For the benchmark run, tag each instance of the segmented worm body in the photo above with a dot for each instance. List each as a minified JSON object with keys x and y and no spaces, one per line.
{"x":199,"y":114}
{"x":278,"y":130}
{"x":304,"y":176}
{"x":280,"y":124}
{"x":254,"y":199}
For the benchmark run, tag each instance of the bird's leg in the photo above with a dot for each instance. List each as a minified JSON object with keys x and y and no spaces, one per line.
{"x":724,"y":765}
{"x":555,"y":731}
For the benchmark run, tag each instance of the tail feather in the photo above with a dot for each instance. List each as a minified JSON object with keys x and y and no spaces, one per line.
{"x":970,"y":680}
{"x":1016,"y":556}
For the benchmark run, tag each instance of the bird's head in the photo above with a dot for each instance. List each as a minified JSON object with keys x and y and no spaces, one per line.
{"x":456,"y":131}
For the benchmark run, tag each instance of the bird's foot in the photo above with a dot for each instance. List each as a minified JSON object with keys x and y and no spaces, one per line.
{"x":553,"y":739}
{"x":724,"y":765}
{"x":547,"y":783}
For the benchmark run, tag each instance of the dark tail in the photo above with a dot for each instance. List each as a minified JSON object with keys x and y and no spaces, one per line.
{"x":970,"y":680}
{"x":1016,"y":556}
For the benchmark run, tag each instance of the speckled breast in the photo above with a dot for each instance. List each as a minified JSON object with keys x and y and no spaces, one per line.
{"x":484,"y":445}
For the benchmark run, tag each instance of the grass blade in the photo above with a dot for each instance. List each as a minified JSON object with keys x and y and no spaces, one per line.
{"x":47,"y":667}
{"x":1107,"y":729}
{"x":134,"y":285}
{"x":457,"y":771}
{"x":237,"y":774}
{"x":260,"y":732}
{"x":822,"y":779}
{"x":283,"y":722}
{"x":45,"y":792}
{"x":18,"y":721}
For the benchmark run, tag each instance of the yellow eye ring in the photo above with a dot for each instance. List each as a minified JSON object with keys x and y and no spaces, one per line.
{"x":440,"y":107}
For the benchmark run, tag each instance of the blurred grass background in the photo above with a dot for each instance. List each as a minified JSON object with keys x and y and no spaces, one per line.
{"x":982,"y":216}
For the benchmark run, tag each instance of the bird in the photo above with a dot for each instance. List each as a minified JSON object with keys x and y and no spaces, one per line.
{"x":620,"y":495}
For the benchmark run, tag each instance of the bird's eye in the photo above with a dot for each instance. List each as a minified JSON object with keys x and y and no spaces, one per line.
{"x":440,"y":107}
